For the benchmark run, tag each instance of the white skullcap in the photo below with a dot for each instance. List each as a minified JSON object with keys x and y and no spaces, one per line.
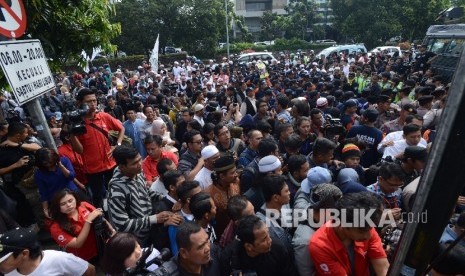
{"x":268,"y":164}
{"x":198,"y":107}
{"x":209,"y":151}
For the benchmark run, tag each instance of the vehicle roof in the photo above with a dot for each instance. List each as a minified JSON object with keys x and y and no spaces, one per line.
{"x":384,"y":47}
{"x":337,"y":47}
{"x":256,"y":53}
{"x":446,"y":30}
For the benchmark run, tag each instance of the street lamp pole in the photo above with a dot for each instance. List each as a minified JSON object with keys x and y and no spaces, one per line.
{"x":227,"y":28}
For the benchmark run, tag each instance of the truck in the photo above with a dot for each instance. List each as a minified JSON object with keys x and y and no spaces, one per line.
{"x":447,"y":42}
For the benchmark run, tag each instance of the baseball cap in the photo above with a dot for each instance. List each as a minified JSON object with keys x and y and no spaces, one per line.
{"x":17,"y":239}
{"x":315,"y":176}
{"x":409,"y":108}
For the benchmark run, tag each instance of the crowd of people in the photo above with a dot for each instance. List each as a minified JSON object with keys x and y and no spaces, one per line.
{"x":206,"y":160}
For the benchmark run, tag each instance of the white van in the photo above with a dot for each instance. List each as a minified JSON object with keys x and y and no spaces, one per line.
{"x":249,"y":57}
{"x":391,"y":51}
{"x":346,"y":49}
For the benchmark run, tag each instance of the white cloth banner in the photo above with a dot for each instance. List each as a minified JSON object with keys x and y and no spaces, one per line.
{"x":95,"y":52}
{"x":154,"y":57}
{"x":87,"y":59}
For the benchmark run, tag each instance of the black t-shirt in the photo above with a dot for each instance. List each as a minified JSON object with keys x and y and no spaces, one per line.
{"x":276,"y":262}
{"x":9,"y":156}
{"x":116,"y":112}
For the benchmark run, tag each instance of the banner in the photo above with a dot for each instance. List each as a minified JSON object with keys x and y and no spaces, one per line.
{"x":154,"y":57}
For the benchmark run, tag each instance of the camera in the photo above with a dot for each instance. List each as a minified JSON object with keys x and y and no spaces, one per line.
{"x":165,"y":267}
{"x":75,"y":121}
{"x":333,"y":126}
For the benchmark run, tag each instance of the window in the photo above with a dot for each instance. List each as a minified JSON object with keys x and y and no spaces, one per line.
{"x":255,"y":6}
{"x":446,"y":45}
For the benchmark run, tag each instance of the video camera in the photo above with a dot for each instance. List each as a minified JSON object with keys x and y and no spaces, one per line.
{"x":74,"y":118}
{"x":165,"y":267}
{"x":333,"y":126}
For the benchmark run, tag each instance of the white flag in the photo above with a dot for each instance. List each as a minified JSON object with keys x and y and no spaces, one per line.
{"x":95,"y":52}
{"x":87,"y":59}
{"x":154,"y":57}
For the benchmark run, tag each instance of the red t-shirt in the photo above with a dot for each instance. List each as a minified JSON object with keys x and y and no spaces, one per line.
{"x":149,"y":165}
{"x":96,"y":145}
{"x":76,"y":160}
{"x":62,"y":238}
{"x":330,"y":256}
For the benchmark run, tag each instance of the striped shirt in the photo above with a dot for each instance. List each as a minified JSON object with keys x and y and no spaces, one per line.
{"x":130,"y":204}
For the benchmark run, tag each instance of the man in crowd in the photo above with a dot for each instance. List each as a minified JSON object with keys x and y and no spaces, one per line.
{"x":210,"y":154}
{"x":130,"y":200}
{"x":191,"y":161}
{"x":154,"y":148}
{"x":350,"y":250}
{"x":94,"y":145}
{"x":15,"y":164}
{"x":255,"y":252}
{"x":197,"y":256}
{"x":22,"y":254}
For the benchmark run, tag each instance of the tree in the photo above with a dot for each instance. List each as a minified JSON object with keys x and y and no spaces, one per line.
{"x":301,"y":15}
{"x":66,"y":27}
{"x":374,"y":22}
{"x":194,"y":25}
{"x":272,"y":26}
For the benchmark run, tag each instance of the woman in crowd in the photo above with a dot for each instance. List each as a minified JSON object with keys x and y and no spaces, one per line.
{"x":303,"y":130}
{"x":122,"y":252}
{"x":159,"y":128}
{"x":71,"y":226}
{"x":208,"y":134}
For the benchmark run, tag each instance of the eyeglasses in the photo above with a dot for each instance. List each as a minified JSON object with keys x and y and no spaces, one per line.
{"x":197,"y":142}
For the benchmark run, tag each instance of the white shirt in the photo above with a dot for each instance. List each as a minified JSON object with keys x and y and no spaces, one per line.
{"x":399,"y":147}
{"x":204,"y":177}
{"x":57,"y":263}
{"x":199,"y":119}
{"x":244,"y":106}
{"x":158,"y":187}
{"x":395,"y":136}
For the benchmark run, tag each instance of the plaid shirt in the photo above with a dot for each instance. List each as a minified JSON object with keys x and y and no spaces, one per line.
{"x":391,"y":200}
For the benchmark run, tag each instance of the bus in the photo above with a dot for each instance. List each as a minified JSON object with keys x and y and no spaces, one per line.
{"x":447,"y":42}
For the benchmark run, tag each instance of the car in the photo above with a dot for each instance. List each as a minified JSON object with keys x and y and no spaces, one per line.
{"x":249,"y":57}
{"x":326,"y":42}
{"x":391,"y":51}
{"x":259,"y":43}
{"x":172,"y":50}
{"x":346,"y":49}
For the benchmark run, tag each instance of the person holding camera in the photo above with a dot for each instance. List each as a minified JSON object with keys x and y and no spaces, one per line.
{"x":122,"y":254}
{"x":15,"y":166}
{"x":71,"y":227}
{"x":95,"y":146}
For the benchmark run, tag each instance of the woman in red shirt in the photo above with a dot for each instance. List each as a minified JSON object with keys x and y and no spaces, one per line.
{"x":72,"y":224}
